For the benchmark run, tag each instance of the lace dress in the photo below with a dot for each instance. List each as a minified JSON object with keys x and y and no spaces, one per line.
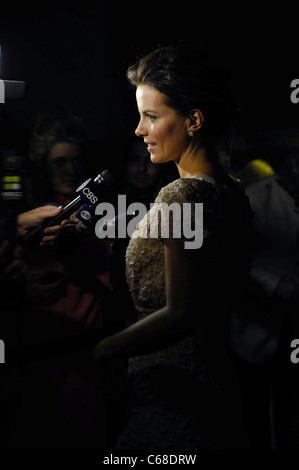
{"x":185,"y":395}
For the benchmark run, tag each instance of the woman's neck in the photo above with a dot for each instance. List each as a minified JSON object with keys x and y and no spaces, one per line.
{"x":197,"y":162}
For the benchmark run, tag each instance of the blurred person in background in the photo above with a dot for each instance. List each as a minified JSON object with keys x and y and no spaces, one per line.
{"x":67,"y":287}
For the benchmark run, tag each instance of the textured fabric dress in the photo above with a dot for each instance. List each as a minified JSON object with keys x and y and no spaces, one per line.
{"x":185,"y":394}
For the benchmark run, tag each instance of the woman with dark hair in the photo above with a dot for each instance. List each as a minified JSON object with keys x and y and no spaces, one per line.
{"x":184,"y":393}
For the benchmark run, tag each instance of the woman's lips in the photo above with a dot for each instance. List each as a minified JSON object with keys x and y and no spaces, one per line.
{"x":150,"y":147}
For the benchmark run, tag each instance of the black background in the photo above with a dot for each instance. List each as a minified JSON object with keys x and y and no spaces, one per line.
{"x":73,"y":56}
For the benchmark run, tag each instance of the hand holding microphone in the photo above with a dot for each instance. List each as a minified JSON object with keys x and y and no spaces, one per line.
{"x":90,"y":193}
{"x":30,"y":219}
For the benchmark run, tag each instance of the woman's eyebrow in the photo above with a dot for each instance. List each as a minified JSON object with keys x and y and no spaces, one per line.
{"x":146,"y":111}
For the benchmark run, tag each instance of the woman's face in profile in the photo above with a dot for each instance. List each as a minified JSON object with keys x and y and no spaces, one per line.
{"x":162,"y":128}
{"x":64,"y":168}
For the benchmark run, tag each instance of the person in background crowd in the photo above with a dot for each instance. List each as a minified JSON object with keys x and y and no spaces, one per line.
{"x":254,"y":170}
{"x":13,"y":279}
{"x":262,"y":329}
{"x":67,"y":288}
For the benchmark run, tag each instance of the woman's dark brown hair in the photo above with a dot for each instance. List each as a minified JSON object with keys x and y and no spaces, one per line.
{"x":188,"y":81}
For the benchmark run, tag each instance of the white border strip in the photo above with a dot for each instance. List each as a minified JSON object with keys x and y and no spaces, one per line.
{"x":2,"y":92}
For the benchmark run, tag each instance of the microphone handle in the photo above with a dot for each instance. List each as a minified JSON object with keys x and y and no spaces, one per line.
{"x":66,"y":212}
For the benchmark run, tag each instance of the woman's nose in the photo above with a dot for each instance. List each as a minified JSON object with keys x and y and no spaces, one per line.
{"x":140,"y":129}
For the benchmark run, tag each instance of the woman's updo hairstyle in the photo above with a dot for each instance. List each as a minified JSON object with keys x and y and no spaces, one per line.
{"x":188,"y":81}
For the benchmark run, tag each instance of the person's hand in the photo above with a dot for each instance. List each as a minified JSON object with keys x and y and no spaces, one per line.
{"x":73,"y":219}
{"x":51,"y":233}
{"x":103,"y":353}
{"x":84,"y":233}
{"x":12,"y":265}
{"x":45,"y":287}
{"x":30,"y":219}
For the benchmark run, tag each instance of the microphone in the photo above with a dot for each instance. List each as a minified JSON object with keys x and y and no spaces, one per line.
{"x":90,"y":193}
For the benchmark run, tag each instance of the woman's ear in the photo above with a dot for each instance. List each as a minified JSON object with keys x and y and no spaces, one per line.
{"x":195,"y":120}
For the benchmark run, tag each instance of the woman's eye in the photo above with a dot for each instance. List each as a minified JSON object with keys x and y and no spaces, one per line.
{"x":151,"y":117}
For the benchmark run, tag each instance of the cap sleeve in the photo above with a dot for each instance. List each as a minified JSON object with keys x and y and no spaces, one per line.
{"x":177,"y":212}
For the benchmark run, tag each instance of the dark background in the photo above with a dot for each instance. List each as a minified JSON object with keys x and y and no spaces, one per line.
{"x":73,"y":56}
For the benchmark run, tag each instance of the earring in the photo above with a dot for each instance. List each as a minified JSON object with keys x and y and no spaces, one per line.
{"x":190,"y":133}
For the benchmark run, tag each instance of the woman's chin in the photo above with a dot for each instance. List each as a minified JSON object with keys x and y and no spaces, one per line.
{"x":154,"y":158}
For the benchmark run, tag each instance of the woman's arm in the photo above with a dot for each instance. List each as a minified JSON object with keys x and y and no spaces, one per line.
{"x":168,"y":321}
